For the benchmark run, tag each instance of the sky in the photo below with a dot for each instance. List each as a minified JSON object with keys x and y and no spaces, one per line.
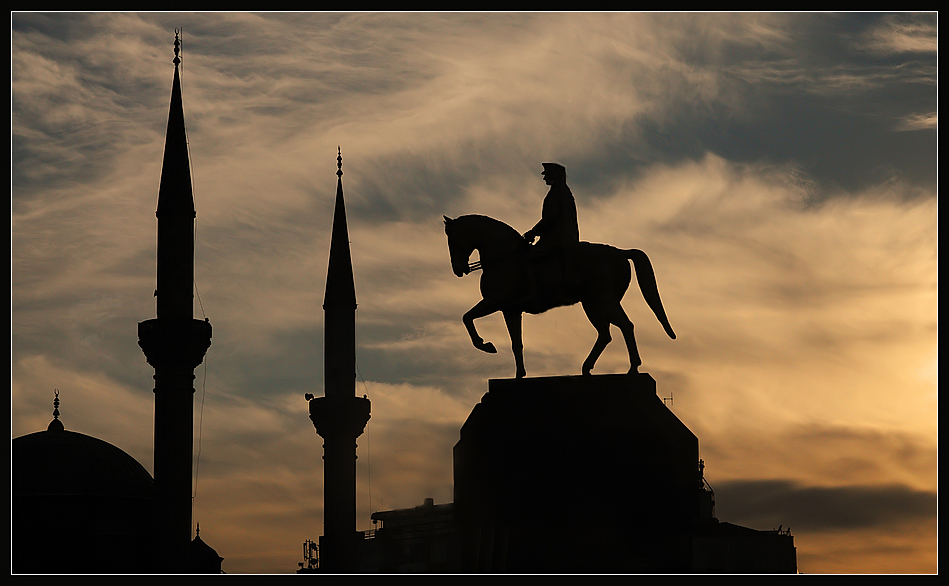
{"x":779,"y":169}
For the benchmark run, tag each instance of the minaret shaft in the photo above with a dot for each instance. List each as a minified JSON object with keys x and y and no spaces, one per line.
{"x":339,"y":416}
{"x":174,"y":344}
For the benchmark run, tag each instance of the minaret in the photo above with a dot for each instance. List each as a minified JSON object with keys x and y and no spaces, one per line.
{"x":174,"y":344}
{"x":339,"y":416}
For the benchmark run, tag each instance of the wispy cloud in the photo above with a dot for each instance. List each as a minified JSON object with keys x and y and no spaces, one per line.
{"x":903,"y":33}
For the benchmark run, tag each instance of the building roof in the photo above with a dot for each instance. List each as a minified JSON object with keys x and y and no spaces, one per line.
{"x":79,"y":505}
{"x":58,"y":462}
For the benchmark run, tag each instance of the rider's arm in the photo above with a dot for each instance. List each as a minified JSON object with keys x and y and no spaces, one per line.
{"x":551,"y":210}
{"x":531,"y":234}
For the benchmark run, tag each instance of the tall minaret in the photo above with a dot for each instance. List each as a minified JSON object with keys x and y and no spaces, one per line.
{"x":174,"y":344}
{"x":339,"y":416}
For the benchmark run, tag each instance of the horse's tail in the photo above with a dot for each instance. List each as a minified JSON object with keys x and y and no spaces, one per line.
{"x":647,"y":284}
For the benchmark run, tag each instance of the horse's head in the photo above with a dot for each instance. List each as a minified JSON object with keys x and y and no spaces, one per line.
{"x":460,"y":247}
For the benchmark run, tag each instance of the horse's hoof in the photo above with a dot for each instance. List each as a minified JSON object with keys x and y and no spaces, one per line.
{"x":520,"y":374}
{"x":489,"y":348}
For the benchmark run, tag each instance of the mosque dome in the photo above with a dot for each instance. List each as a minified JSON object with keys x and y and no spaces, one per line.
{"x":80,"y":505}
{"x":61,"y":463}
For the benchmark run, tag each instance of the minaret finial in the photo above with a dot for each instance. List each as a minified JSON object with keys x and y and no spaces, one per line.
{"x":177,"y":44}
{"x":339,"y":162}
{"x":55,"y":424}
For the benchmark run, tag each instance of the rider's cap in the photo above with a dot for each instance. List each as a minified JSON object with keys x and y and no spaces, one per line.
{"x":555,"y":169}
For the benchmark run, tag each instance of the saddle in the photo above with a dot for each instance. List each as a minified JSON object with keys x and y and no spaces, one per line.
{"x":552,"y":281}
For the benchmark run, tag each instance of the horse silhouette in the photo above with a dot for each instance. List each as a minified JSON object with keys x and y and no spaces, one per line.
{"x":603,"y":276}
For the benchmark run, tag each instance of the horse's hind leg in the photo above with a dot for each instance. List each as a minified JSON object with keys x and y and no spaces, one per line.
{"x":513,"y":321}
{"x":601,"y":322}
{"x":602,"y":316}
{"x":621,"y":320}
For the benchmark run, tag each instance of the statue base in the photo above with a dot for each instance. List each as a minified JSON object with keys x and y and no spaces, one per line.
{"x":576,"y":474}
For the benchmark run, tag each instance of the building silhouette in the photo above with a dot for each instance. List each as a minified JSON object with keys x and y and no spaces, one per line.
{"x":541,"y":468}
{"x":68,"y":488}
{"x":92,"y":502}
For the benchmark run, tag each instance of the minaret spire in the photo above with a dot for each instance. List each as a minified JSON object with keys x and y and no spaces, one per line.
{"x":339,"y":416}
{"x":174,"y":343}
{"x":176,"y":210}
{"x":340,"y":285}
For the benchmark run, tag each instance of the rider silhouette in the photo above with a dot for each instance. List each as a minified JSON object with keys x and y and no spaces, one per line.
{"x":559,"y":233}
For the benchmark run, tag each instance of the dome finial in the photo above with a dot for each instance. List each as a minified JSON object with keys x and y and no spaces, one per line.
{"x":339,"y":162}
{"x":55,"y":424}
{"x":176,"y":61}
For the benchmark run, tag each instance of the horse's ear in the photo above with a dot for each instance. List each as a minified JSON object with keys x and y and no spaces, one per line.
{"x":447,"y":220}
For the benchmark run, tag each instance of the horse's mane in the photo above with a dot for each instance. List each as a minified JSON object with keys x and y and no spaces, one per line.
{"x":497,"y":228}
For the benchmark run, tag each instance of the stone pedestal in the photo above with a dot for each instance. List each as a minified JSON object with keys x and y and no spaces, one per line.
{"x":576,"y":474}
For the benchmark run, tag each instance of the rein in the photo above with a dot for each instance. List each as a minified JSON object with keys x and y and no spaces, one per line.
{"x":477,"y":265}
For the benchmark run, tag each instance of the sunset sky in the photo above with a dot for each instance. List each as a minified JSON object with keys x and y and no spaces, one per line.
{"x":778,"y":169}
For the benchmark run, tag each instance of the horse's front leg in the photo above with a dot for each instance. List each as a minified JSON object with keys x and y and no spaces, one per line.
{"x":483,"y":308}
{"x":513,"y":320}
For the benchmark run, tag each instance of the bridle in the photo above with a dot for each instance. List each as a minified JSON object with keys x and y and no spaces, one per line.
{"x":479,"y":264}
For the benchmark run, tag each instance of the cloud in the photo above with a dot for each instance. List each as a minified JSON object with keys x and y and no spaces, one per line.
{"x":909,"y":548}
{"x":829,"y":455}
{"x":920,"y":122}
{"x":903,"y":33}
{"x":757,"y":503}
{"x":84,"y":395}
{"x":896,"y":523}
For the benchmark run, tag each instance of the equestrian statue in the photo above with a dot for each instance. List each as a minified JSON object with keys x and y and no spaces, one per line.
{"x":519,"y":276}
